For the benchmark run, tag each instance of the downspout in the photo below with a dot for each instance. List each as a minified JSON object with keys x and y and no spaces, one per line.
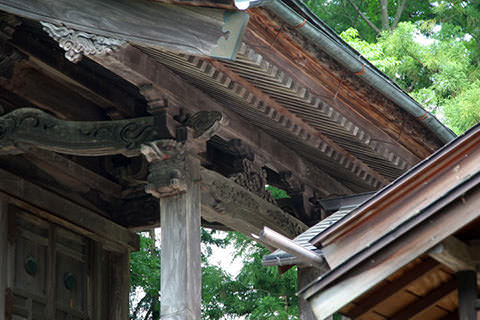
{"x":276,"y":240}
{"x":353,"y":62}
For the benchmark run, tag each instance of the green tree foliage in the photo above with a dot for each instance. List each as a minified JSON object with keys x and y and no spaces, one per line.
{"x":366,"y":15}
{"x":257,"y":292}
{"x":431,"y":63}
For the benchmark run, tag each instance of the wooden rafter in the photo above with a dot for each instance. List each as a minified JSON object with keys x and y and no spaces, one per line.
{"x":427,"y":301}
{"x":383,"y":293}
{"x":140,"y":69}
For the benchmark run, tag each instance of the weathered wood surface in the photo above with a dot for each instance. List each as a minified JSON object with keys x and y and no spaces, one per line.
{"x":403,"y":201}
{"x":232,"y":205}
{"x":406,"y":248}
{"x":140,"y":69}
{"x":198,"y":31}
{"x":119,"y":286}
{"x":467,"y":294}
{"x":385,"y":292}
{"x":84,"y":138}
{"x":181,"y":255}
{"x":3,"y":253}
{"x":64,"y":212}
{"x":340,"y":88}
{"x":454,"y":254}
{"x":427,"y":301}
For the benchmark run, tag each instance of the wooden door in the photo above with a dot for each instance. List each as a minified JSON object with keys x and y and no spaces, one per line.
{"x":49,"y":275}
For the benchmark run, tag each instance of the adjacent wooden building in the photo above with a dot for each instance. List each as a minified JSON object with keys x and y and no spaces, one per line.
{"x":121,"y":115}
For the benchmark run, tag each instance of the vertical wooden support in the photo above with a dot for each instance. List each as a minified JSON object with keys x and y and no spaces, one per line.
{"x":181,"y":269}
{"x":119,"y":285}
{"x":467,"y":294}
{"x":3,"y":254}
{"x":173,"y":178}
{"x":305,"y":276}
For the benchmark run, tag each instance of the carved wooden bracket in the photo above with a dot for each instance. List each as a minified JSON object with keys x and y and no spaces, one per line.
{"x":82,"y":138}
{"x":168,"y":169}
{"x":79,"y":43}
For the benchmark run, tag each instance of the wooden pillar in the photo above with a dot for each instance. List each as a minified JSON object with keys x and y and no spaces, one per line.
{"x":467,"y":294}
{"x":174,"y":179}
{"x":3,"y":254}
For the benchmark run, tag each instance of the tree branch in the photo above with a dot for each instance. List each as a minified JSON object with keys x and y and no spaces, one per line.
{"x":384,"y":14}
{"x":398,"y":14}
{"x":364,"y":17}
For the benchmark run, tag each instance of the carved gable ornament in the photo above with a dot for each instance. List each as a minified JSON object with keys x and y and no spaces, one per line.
{"x":79,"y":43}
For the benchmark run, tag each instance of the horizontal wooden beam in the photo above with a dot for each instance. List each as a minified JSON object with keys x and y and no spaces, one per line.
{"x":454,"y":254}
{"x":59,"y":210}
{"x":141,"y":70}
{"x":226,"y":202}
{"x":186,"y":29}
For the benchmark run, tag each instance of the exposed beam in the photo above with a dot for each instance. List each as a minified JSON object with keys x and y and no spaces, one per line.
{"x":386,"y":291}
{"x":141,"y":70}
{"x":56,"y":209}
{"x":427,"y":301}
{"x":454,"y":254}
{"x":233,"y":206}
{"x":30,"y":126}
{"x":319,"y":140}
{"x":199,"y":31}
{"x":108,"y":92}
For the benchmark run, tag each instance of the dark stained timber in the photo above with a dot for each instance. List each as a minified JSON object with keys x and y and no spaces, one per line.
{"x":30,"y":126}
{"x":183,"y":29}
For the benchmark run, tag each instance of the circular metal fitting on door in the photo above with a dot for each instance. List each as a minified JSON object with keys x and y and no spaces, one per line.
{"x":31,"y":266}
{"x":69,"y":280}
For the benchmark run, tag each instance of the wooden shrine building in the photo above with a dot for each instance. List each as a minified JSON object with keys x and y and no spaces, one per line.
{"x":121,"y":115}
{"x":409,"y":251}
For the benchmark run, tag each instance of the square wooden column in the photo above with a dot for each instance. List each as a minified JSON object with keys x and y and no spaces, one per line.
{"x":174,"y":179}
{"x":467,"y":294}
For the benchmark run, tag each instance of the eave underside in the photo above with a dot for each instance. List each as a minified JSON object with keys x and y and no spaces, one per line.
{"x":294,"y":125}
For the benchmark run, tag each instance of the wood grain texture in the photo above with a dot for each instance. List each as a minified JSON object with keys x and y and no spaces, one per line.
{"x":184,"y":29}
{"x":140,"y":69}
{"x":454,"y":254}
{"x":395,"y":256}
{"x":54,"y":208}
{"x":417,"y":192}
{"x":181,"y":255}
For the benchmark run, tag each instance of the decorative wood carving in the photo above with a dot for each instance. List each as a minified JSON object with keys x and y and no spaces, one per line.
{"x":85,"y":138}
{"x":167,"y":175}
{"x":254,"y":179}
{"x":78,"y":43}
{"x":233,"y":198}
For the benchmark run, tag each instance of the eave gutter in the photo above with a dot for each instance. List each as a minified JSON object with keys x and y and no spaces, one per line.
{"x":351,"y":60}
